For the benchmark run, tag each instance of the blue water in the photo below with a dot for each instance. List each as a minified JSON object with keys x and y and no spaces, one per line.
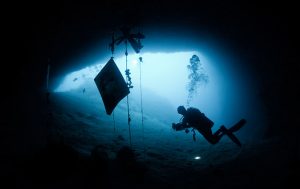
{"x":161,"y":84}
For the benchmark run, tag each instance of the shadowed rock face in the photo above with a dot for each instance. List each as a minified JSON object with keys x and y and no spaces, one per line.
{"x":129,"y":166}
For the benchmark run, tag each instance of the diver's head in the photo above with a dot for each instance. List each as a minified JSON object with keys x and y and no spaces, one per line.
{"x":181,"y":110}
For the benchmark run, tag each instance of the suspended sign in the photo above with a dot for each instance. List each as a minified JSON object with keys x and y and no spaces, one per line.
{"x":111,"y":85}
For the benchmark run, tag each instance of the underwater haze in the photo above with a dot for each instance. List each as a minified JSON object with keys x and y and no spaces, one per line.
{"x":218,"y":85}
{"x":233,"y":61}
{"x":161,"y":84}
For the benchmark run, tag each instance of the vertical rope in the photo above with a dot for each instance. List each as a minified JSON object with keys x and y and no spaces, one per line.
{"x":129,"y":122}
{"x":128,"y":114}
{"x":112,"y":45}
{"x":141,"y":97}
{"x":142,"y":111}
{"x":141,"y":93}
{"x":112,"y":48}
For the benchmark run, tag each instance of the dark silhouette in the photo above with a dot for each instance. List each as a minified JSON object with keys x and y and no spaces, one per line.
{"x":47,"y":97}
{"x":193,"y":118}
{"x":133,"y":39}
{"x":126,"y":160}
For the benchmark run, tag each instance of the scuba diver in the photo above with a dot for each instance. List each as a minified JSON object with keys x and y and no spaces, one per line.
{"x":192,"y":117}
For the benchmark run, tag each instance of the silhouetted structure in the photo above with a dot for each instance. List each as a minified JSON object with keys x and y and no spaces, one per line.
{"x":127,"y":161}
{"x":111,"y":85}
{"x":193,"y":118}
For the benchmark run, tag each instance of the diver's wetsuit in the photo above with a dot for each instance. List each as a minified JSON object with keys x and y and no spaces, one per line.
{"x":195,"y":119}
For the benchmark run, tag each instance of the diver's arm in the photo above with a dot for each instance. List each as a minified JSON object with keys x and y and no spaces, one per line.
{"x":184,"y":122}
{"x":180,"y":126}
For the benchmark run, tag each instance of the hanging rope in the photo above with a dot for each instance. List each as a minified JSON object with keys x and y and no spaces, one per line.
{"x":112,"y":48}
{"x":128,"y":80}
{"x":134,"y":40}
{"x":141,"y":92}
{"x":142,"y":111}
{"x":112,"y":45}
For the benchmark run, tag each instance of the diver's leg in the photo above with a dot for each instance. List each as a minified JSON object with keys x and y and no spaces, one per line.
{"x":223,"y":130}
{"x":212,"y":138}
{"x":215,"y":138}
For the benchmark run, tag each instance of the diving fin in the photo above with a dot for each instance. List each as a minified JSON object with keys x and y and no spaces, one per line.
{"x":237,"y":126}
{"x":234,"y":138}
{"x":234,"y":128}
